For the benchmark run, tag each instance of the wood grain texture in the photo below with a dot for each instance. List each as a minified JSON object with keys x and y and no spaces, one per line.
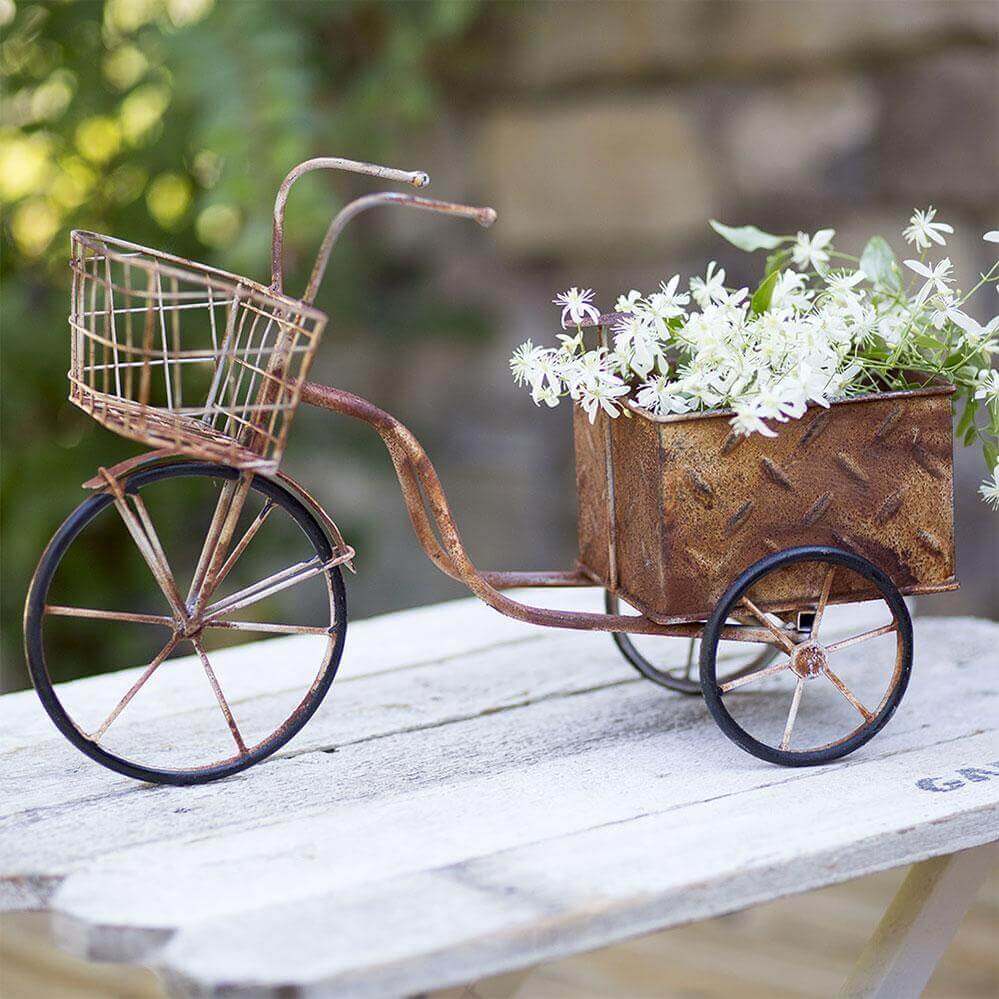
{"x":476,"y":796}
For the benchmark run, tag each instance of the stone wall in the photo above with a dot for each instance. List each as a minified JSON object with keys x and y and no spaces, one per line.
{"x":606,"y":134}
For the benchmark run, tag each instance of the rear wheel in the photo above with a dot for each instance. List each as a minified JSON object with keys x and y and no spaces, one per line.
{"x":820,"y":699}
{"x":253,"y":562}
{"x":673,"y":663}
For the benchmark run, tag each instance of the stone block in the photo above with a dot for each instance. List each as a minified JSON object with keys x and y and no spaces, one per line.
{"x":552,"y":44}
{"x":595,"y":177}
{"x":795,"y":138}
{"x":939,"y":135}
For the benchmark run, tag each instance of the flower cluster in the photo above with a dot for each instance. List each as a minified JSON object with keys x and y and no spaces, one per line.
{"x":821,"y":325}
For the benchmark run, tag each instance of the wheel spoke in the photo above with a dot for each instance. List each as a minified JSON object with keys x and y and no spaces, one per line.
{"x":280,"y":629}
{"x":243,"y":542}
{"x":157,"y":547}
{"x":792,"y":714}
{"x":848,"y":694}
{"x":757,"y":663}
{"x":258,"y":591}
{"x":220,"y":697}
{"x":845,"y":643}
{"x":217,"y":543}
{"x":136,"y":687}
{"x":741,"y":681}
{"x":764,"y":619}
{"x":108,"y":615}
{"x":149,"y":552}
{"x":823,"y":601}
{"x":211,"y":539}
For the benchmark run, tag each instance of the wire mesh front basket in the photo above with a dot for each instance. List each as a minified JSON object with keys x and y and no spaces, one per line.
{"x":181,"y":356}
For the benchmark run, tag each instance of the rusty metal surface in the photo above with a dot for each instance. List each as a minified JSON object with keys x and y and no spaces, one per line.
{"x":194,"y":360}
{"x":439,"y":537}
{"x":415,"y":177}
{"x":184,"y":357}
{"x":871,"y":475}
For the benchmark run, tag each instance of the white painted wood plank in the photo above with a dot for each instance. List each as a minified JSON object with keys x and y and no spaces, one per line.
{"x":549,"y":899}
{"x":919,"y":925}
{"x":490,"y":800}
{"x":400,"y":731}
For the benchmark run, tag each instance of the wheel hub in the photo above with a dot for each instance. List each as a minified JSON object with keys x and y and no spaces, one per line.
{"x":809,"y":660}
{"x":190,"y":628}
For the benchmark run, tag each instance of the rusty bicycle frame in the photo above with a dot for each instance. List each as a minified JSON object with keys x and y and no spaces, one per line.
{"x":426,"y":503}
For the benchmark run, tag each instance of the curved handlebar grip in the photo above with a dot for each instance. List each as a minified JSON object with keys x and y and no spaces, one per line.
{"x":484,"y":216}
{"x":415,"y":177}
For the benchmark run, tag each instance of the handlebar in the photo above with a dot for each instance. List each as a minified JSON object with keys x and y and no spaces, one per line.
{"x":415,"y":177}
{"x":484,"y":216}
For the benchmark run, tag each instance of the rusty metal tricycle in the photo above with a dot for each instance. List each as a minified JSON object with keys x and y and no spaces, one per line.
{"x":720,"y":540}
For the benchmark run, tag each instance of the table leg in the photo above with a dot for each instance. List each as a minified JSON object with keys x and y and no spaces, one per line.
{"x":919,"y":925}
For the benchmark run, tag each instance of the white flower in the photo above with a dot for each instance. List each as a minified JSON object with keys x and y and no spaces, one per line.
{"x":664,"y":305}
{"x":989,"y":489}
{"x":524,"y":362}
{"x":790,"y":290}
{"x":636,"y":344}
{"x":545,"y":394}
{"x":923,"y":232}
{"x":577,"y":306}
{"x":571,"y":345}
{"x":976,"y":334}
{"x":659,"y":396}
{"x":547,"y":368}
{"x":992,"y":236}
{"x":891,"y":327}
{"x":810,"y":252}
{"x":843,"y":281}
{"x":944,"y":309}
{"x":988,"y":387}
{"x":748,"y":420}
{"x":710,"y":288}
{"x":671,"y":298}
{"x":937,"y":278}
{"x":627,"y":303}
{"x":587,"y":369}
{"x":601,"y":395}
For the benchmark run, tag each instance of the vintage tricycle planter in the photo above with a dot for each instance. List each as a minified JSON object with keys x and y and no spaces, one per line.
{"x":708,"y":536}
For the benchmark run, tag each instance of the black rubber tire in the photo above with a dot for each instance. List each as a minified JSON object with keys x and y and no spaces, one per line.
{"x":664,"y":678}
{"x":34,"y":648}
{"x":709,"y":645}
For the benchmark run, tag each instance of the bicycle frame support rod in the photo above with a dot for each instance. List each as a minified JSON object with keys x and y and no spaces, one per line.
{"x":438,"y":535}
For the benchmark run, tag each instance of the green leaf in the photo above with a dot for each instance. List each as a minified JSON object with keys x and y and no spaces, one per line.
{"x":967,"y":418}
{"x":776,"y":262}
{"x":760,"y":301}
{"x":879,"y":264}
{"x":991,"y":454}
{"x":748,"y":237}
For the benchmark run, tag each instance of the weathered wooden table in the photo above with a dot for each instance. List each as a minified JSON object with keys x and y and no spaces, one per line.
{"x":477,"y":796}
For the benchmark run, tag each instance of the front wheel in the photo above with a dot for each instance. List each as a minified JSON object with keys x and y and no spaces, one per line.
{"x":821,"y":699}
{"x":170,"y":569}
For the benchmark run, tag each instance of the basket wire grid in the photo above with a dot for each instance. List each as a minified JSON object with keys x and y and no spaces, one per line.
{"x":178,"y":355}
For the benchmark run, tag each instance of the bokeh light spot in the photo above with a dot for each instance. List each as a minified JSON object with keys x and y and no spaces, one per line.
{"x":168,"y":198}
{"x":98,"y":138}
{"x":218,"y":225}
{"x":33,"y":224}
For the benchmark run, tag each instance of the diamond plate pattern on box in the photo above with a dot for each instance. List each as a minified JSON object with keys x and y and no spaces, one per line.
{"x":694,"y":505}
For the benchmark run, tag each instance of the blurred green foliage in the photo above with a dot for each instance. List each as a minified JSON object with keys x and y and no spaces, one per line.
{"x":171,"y":123}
